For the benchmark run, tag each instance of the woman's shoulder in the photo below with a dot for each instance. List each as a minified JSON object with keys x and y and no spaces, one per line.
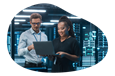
{"x":56,"y":39}
{"x":73,"y":40}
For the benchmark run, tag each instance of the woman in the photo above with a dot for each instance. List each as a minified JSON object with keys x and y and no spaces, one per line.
{"x":66,"y":46}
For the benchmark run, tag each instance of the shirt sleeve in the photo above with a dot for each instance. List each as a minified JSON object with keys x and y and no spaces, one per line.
{"x":22,"y":47}
{"x":76,"y":49}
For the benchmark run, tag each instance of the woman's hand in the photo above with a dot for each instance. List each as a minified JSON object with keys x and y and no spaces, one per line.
{"x":61,"y":54}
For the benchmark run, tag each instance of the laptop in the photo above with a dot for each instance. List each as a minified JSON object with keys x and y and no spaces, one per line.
{"x":44,"y":48}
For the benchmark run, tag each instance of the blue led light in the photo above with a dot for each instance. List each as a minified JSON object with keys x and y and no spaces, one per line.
{"x":98,"y":48}
{"x":84,"y":27}
{"x":86,"y":38}
{"x":86,"y":34}
{"x":84,"y":47}
{"x":94,"y":31}
{"x":93,"y":47}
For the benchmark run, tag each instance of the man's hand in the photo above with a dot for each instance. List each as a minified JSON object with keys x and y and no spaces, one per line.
{"x":30,"y":47}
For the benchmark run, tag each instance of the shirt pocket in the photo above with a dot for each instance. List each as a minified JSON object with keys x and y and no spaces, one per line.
{"x":43,"y":38}
{"x":30,"y":41}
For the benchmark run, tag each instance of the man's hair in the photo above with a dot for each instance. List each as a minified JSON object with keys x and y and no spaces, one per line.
{"x":35,"y":16}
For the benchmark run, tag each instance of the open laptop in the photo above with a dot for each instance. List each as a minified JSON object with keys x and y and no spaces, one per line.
{"x":44,"y":48}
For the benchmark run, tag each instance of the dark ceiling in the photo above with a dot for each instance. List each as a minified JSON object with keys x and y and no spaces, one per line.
{"x":52,"y":13}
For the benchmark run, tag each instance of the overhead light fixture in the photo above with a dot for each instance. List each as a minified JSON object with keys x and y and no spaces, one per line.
{"x":32,"y":10}
{"x":70,"y":17}
{"x":54,"y":20}
{"x":22,"y":20}
{"x":20,"y":16}
{"x":47,"y":23}
{"x":16,"y":23}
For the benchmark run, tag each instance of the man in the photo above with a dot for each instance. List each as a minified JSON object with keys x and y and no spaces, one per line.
{"x":26,"y":48}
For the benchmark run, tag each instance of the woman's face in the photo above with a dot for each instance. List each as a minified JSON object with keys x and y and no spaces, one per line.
{"x":62,"y":29}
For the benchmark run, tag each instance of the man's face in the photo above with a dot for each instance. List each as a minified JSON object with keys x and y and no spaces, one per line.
{"x":35,"y":24}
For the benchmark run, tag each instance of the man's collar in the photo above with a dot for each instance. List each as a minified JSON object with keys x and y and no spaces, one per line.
{"x":33,"y":32}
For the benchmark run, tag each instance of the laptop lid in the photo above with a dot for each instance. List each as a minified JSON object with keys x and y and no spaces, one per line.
{"x":44,"y":48}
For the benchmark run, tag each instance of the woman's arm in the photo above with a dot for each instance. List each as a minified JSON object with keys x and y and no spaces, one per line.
{"x":72,"y":57}
{"x":69,"y":56}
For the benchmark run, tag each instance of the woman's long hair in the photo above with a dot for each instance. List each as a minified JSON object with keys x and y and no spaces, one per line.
{"x":67,"y":22}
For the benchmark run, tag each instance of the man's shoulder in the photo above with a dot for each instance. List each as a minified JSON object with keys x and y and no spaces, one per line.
{"x":43,"y":34}
{"x":26,"y":32}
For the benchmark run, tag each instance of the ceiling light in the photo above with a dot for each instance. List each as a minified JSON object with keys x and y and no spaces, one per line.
{"x":31,"y":10}
{"x":20,"y":16}
{"x":44,"y":23}
{"x":23,"y":20}
{"x":54,"y":20}
{"x":16,"y":23}
{"x":47,"y":23}
{"x":70,"y":17}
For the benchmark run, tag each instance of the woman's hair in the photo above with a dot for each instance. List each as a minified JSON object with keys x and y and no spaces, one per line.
{"x":67,"y":22}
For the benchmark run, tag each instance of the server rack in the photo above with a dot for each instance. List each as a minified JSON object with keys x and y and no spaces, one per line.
{"x":76,"y":29}
{"x":102,"y":45}
{"x":88,"y":58}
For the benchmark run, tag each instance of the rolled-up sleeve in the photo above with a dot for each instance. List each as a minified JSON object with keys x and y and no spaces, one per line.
{"x":22,"y":47}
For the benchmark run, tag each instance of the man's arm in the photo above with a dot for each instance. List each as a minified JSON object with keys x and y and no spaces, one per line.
{"x":22,"y":47}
